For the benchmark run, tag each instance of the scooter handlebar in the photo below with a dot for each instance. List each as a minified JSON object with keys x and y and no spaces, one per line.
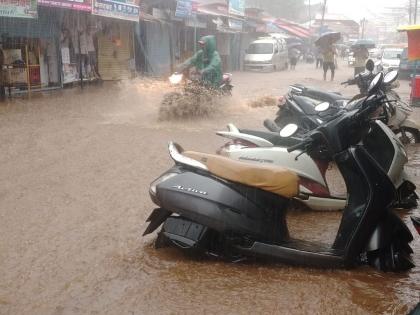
{"x":301,"y":145}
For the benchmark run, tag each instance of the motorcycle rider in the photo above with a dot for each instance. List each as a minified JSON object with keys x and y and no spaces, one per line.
{"x":207,"y":62}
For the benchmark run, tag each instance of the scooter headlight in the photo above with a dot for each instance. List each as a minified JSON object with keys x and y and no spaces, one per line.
{"x":176,"y":78}
{"x":160,"y":180}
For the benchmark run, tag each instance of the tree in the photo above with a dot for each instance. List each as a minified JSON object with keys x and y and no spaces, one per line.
{"x":288,"y":9}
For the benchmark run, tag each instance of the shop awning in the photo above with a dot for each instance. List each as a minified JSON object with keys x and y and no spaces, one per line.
{"x":147,"y":17}
{"x":293,"y":29}
{"x":218,"y":11}
{"x":413,"y":34}
{"x":409,"y":28}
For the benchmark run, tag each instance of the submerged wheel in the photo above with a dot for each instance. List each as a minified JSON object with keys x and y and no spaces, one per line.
{"x":168,"y":106}
{"x":395,"y":257}
{"x":408,"y":135}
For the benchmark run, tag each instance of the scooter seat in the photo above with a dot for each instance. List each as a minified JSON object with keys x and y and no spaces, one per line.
{"x":278,"y":180}
{"x":306,"y":104}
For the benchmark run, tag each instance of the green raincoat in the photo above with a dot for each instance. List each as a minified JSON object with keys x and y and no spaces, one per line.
{"x":207,"y":60}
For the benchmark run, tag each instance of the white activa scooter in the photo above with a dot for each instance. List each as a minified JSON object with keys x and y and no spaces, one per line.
{"x":271,"y":148}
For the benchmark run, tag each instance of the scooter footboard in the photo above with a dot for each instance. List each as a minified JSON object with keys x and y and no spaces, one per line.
{"x":224,"y":207}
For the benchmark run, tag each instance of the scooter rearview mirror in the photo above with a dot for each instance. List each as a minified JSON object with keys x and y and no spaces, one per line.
{"x":322,"y":107}
{"x":390,"y":77}
{"x":289,"y":130}
{"x":376,"y":83}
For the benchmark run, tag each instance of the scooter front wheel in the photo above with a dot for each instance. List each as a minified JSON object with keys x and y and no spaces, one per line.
{"x":396,"y":257}
{"x":408,"y":135}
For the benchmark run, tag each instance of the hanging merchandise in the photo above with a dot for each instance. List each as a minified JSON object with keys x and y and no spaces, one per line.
{"x":78,"y":42}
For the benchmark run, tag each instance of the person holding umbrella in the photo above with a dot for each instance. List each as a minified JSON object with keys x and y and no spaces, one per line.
{"x":361,"y":54}
{"x":329,"y":61}
{"x":325,"y":42}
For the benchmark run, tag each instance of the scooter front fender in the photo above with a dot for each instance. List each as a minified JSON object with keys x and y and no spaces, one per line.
{"x":408,"y":123}
{"x":391,"y":228}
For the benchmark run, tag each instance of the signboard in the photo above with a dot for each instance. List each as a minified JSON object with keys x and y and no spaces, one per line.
{"x":183,"y":8}
{"x":79,"y":5}
{"x":195,"y":22}
{"x":118,"y":9}
{"x":235,"y":25}
{"x":237,"y":7}
{"x":19,"y":8}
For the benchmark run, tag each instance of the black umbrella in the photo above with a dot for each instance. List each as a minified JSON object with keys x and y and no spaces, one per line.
{"x":328,"y":39}
{"x":294,"y":45}
{"x":364,"y":43}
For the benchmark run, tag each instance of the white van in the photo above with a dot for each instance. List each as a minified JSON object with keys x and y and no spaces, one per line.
{"x":267,"y":54}
{"x":391,"y":58}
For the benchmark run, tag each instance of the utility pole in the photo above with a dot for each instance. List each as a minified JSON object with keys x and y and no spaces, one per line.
{"x":363,"y":25}
{"x":323,"y":16}
{"x":310,"y":18}
{"x":410,"y":6}
{"x":415,"y":11}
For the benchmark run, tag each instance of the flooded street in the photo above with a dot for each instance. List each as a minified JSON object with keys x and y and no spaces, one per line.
{"x":75,"y":171}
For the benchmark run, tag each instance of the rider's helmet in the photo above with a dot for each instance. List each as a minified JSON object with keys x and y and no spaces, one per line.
{"x":370,"y":65}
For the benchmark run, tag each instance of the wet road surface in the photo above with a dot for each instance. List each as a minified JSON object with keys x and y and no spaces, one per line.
{"x":75,"y":170}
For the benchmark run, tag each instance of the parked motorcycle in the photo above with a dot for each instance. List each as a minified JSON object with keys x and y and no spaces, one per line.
{"x":215,"y":205}
{"x":271,"y":149}
{"x":299,"y":107}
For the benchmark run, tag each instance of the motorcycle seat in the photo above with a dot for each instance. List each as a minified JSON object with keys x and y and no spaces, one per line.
{"x":306,"y":104}
{"x":319,"y":94}
{"x":278,"y":180}
{"x":273,"y":137}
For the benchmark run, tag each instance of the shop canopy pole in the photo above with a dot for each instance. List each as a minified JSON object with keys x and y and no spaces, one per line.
{"x":28,"y":76}
{"x":195,"y":33}
{"x":80,"y":61}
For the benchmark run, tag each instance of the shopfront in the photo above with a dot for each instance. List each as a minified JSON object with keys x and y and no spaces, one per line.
{"x":115,"y":37}
{"x":30,"y":46}
{"x":77,"y":38}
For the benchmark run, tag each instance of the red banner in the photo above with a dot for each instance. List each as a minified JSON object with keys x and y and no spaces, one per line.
{"x":413,"y":45}
{"x":79,"y":5}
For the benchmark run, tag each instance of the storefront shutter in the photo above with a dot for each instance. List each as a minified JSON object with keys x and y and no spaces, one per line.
{"x":113,"y":59}
{"x":158,"y":48}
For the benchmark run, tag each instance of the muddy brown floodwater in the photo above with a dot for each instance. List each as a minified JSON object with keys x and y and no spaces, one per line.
{"x":75,"y":170}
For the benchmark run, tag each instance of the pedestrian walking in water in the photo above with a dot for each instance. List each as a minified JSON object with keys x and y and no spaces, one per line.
{"x":2,"y":83}
{"x":329,"y":61}
{"x":293,"y":56}
{"x":319,"y":58}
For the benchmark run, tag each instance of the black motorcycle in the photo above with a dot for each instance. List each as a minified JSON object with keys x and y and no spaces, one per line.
{"x":310,"y":108}
{"x":215,"y":205}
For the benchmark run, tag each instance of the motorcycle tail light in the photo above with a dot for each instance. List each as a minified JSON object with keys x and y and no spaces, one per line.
{"x":281,"y":101}
{"x":234,"y":145}
{"x":416,"y":223}
{"x":316,"y":188}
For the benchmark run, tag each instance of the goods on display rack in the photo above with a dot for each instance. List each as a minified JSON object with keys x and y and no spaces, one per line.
{"x":21,"y":64}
